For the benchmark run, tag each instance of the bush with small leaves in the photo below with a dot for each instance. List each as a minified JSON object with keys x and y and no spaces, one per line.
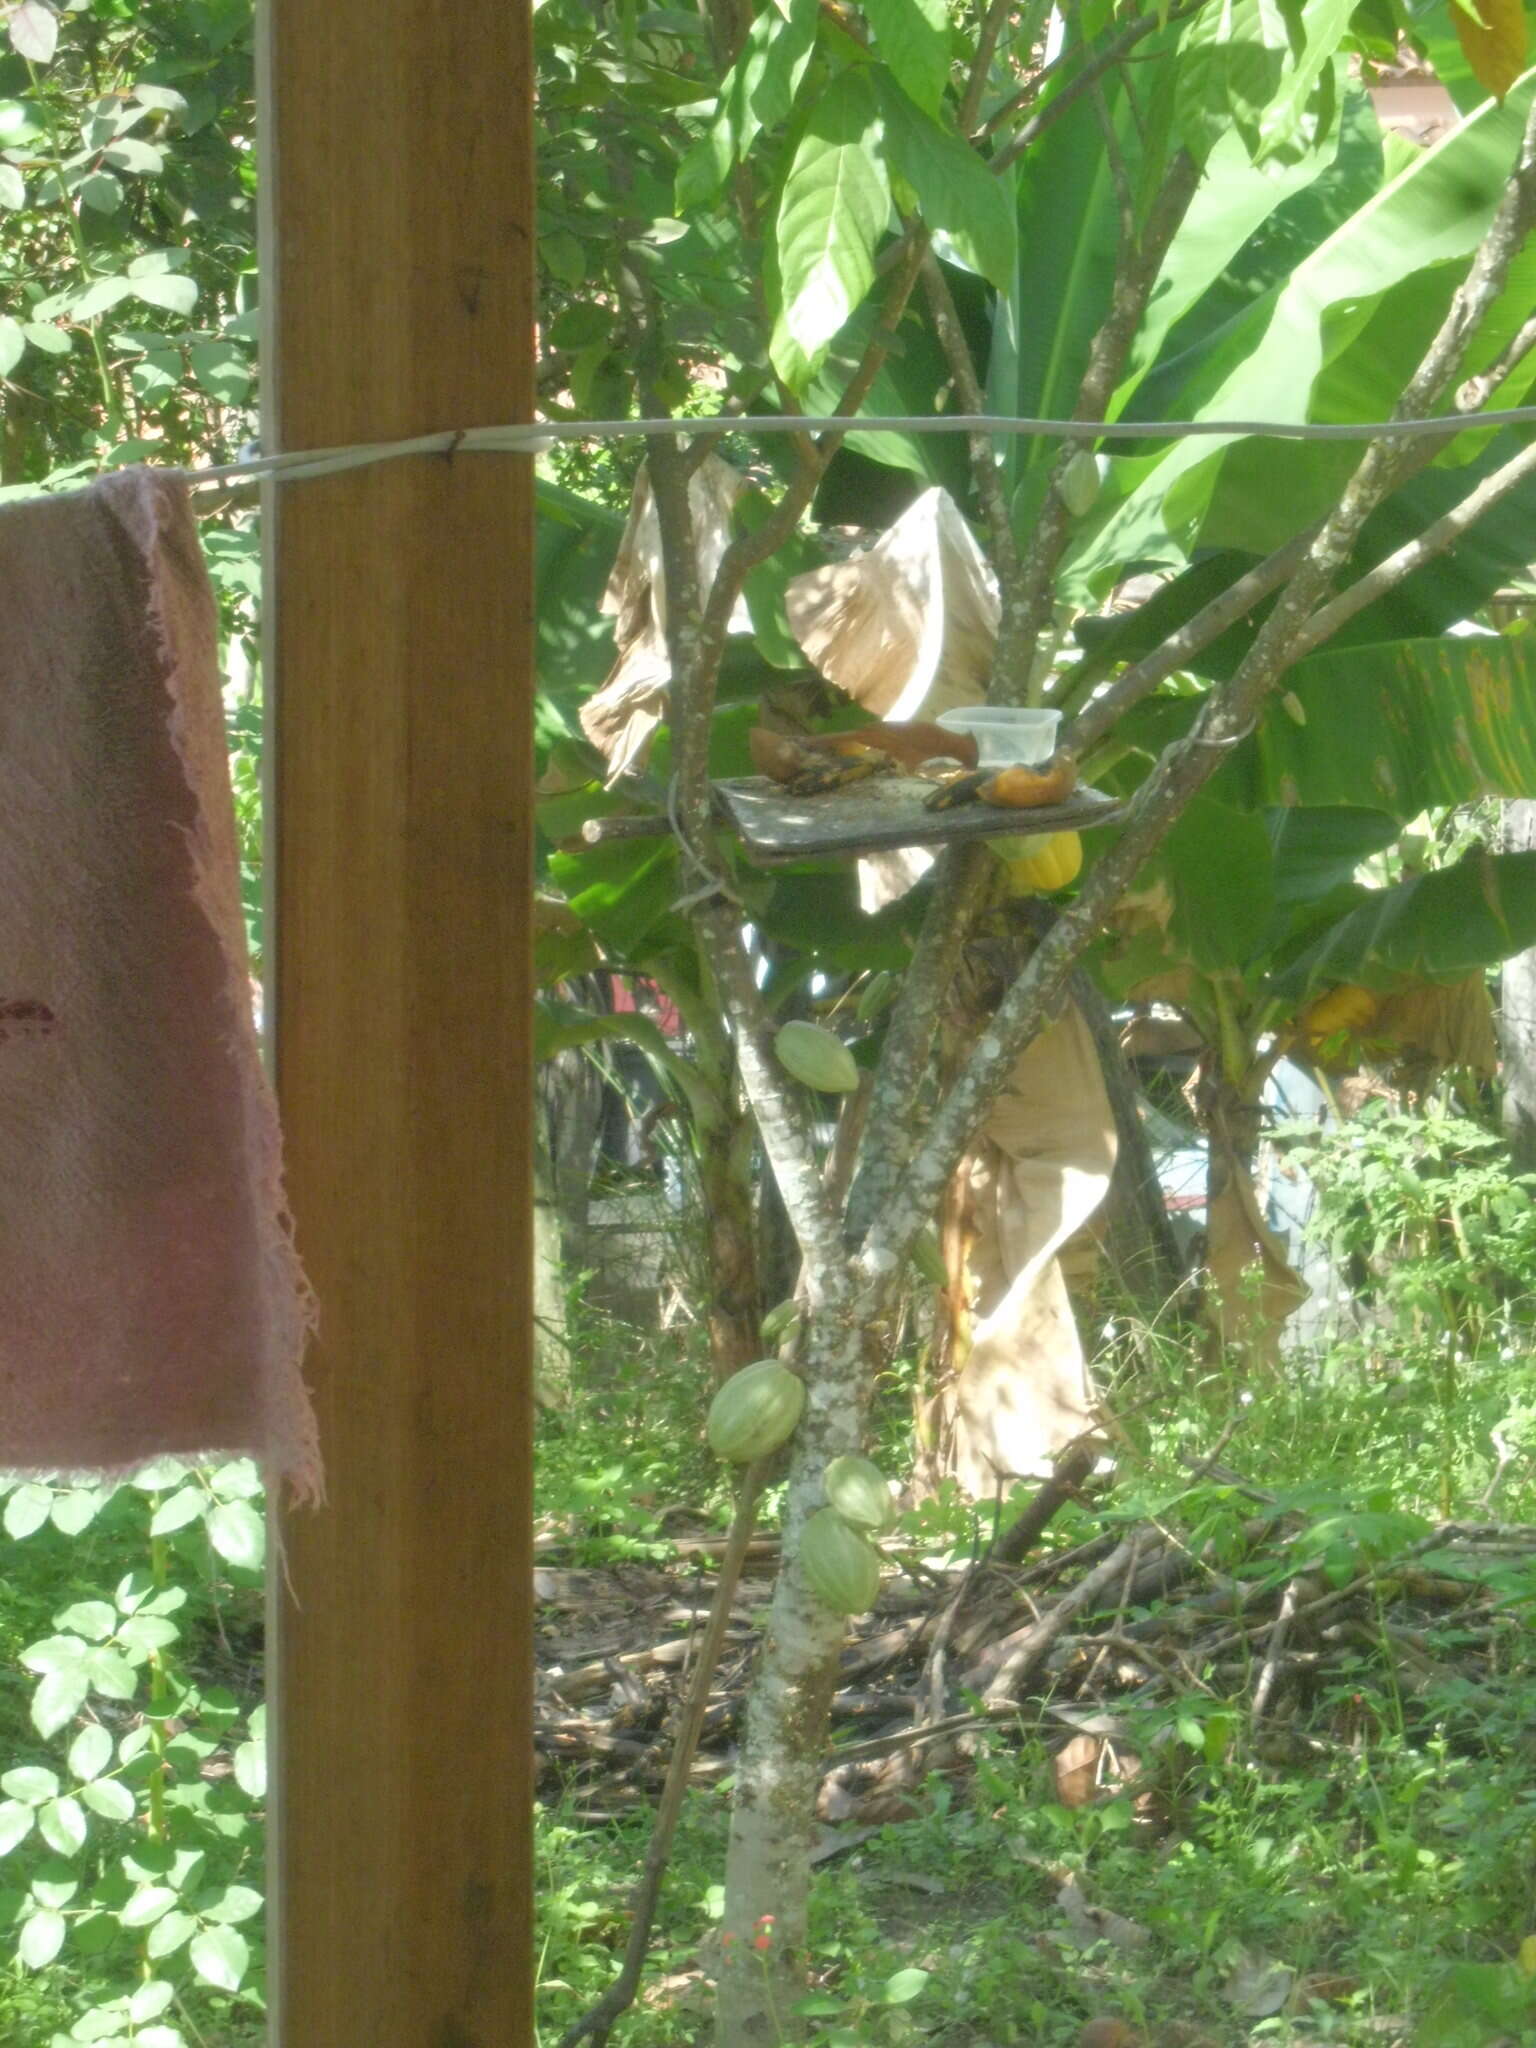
{"x":131,"y":1841}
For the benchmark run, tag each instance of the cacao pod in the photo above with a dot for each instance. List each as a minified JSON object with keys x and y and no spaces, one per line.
{"x":874,"y":996}
{"x":842,"y":1568}
{"x":755,"y":1411}
{"x":780,"y":1321}
{"x":857,"y":1489}
{"x":817,"y":1057}
{"x":1040,"y":864}
{"x":1078,"y":484}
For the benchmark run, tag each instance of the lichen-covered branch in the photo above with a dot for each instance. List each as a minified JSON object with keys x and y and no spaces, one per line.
{"x":1208,"y":624}
{"x":1412,"y":555}
{"x":960,"y":878}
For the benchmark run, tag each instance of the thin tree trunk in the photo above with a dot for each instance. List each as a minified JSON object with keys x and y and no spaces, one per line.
{"x":1138,"y":1237}
{"x":551,"y":1346}
{"x":1517,"y":1022}
{"x":763,"y":1961}
{"x":730,"y":1235}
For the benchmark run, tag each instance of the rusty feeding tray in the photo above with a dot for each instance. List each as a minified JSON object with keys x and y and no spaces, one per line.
{"x":881,"y":813}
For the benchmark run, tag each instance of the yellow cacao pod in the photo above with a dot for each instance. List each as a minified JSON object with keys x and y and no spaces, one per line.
{"x":842,"y":1568}
{"x":1037,"y":866}
{"x":755,"y":1411}
{"x":856,"y":1488}
{"x":817,"y":1057}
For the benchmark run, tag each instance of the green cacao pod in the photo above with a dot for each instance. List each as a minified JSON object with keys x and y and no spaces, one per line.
{"x":755,"y":1411}
{"x":817,"y":1057}
{"x":1078,"y":484}
{"x":779,"y":1322}
{"x":857,"y":1489}
{"x":843,"y":1569}
{"x":875,"y":994}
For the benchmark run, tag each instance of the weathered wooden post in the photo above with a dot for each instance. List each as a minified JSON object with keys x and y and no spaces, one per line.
{"x":398,"y":196}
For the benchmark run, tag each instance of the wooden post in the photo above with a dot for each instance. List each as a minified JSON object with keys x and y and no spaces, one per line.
{"x":397,"y":184}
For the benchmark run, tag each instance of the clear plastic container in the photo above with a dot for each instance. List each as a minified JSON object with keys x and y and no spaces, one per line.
{"x":1004,"y":735}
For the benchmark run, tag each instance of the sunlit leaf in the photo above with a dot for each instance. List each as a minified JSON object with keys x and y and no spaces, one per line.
{"x":835,"y":207}
{"x":1496,"y":46}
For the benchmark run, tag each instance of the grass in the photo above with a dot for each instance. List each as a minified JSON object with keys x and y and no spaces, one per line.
{"x":1387,"y":1867}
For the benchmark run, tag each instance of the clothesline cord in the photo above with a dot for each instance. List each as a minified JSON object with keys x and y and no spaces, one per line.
{"x":535,"y":439}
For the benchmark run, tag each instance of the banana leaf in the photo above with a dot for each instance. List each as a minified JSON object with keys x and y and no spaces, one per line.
{"x":1430,"y":928}
{"x":1268,"y":364}
{"x":575,"y":541}
{"x":1400,"y":727}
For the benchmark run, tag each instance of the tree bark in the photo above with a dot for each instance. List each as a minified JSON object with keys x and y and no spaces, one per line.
{"x":782,"y":1754}
{"x":1138,"y":1239}
{"x":730,"y":1231}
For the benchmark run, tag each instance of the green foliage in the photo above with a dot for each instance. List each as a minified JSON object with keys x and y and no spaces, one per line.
{"x":131,"y":1830}
{"x":1398,"y":1809}
{"x":127,"y":250}
{"x":1423,"y":1203}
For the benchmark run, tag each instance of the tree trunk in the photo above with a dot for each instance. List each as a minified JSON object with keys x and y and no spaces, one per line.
{"x":1138,"y":1239}
{"x":551,"y":1347}
{"x":1254,"y":1287}
{"x":763,"y":1960}
{"x":730,"y":1234}
{"x":1517,"y":1023}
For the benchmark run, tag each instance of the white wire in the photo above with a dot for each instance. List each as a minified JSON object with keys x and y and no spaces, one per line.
{"x":535,"y":439}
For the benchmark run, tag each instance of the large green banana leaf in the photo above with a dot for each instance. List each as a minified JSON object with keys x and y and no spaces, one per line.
{"x":575,"y":542}
{"x":1247,"y":885}
{"x":1400,"y":727}
{"x":1432,"y":927}
{"x":1268,"y":365}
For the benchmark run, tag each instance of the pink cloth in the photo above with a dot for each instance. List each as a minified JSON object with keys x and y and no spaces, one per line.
{"x":151,"y":1300}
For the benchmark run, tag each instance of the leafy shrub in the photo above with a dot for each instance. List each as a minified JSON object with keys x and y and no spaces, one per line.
{"x":131,"y":1797}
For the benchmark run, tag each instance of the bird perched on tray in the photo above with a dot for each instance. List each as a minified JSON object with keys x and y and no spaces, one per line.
{"x":808,"y":764}
{"x":1015,"y":788}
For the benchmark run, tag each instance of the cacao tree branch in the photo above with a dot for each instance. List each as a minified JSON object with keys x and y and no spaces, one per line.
{"x":1477,"y":390}
{"x":1096,"y":718}
{"x":960,"y":879}
{"x":962,"y":369}
{"x":1208,"y":624}
{"x":1026,"y":611}
{"x":1229,"y":714}
{"x":1114,"y":53}
{"x":597,"y":2022}
{"x":981,"y":64}
{"x":1412,"y":555}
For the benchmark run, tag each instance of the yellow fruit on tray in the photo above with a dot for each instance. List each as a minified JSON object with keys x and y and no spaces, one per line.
{"x":1037,"y":866}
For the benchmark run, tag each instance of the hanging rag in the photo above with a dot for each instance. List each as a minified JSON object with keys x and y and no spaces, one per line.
{"x":151,"y":1300}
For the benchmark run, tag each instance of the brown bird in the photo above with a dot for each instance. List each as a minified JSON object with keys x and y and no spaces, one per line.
{"x":807,"y":763}
{"x":1010,"y":789}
